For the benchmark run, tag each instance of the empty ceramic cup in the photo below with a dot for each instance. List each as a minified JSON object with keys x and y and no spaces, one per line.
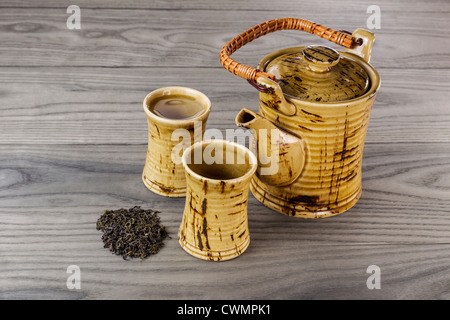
{"x":215,"y":224}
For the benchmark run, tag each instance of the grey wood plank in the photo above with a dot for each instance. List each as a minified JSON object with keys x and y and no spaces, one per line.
{"x":51,"y":203}
{"x":405,"y":199}
{"x":34,"y":262}
{"x":109,"y":37}
{"x":235,"y":5}
{"x":104,"y":105}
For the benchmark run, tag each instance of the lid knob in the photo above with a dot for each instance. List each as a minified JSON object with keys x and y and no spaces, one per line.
{"x":320,"y":58}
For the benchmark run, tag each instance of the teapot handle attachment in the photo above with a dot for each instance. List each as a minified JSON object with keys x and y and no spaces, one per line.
{"x":365,"y":43}
{"x":251,"y":74}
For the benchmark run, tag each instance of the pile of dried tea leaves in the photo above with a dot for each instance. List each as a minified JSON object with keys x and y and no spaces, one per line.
{"x":134,"y":233}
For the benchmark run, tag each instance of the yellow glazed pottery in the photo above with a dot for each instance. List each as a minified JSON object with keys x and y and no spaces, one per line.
{"x":163,"y":171}
{"x":214,"y":225}
{"x":321,"y":98}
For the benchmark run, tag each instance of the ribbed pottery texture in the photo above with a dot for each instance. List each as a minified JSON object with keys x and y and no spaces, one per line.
{"x":330,"y":182}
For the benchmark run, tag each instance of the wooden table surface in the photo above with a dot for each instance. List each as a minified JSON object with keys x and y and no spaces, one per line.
{"x":73,"y":139}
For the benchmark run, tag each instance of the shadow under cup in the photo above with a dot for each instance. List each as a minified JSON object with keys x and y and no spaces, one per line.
{"x":215,"y":224}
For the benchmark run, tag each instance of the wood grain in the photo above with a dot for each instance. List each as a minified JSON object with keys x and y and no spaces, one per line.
{"x":73,"y":138}
{"x":405,"y":197}
{"x":71,"y":105}
{"x":163,"y":38}
{"x":237,"y":5}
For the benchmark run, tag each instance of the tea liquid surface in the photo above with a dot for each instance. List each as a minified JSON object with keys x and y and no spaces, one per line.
{"x":176,"y":107}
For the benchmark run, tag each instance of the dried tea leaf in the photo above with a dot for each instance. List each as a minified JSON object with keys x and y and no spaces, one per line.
{"x":134,"y":233}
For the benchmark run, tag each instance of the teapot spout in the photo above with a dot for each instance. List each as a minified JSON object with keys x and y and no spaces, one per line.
{"x":251,"y":120}
{"x":281,"y":155}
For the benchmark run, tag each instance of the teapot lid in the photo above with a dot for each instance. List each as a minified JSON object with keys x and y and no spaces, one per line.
{"x":318,"y":73}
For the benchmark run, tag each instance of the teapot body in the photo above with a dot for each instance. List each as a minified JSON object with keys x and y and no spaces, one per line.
{"x":333,"y":135}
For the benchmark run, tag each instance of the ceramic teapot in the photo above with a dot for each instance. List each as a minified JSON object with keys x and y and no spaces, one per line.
{"x":317,"y":102}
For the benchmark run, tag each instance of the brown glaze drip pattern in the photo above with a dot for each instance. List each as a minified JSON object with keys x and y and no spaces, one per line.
{"x":344,"y":81}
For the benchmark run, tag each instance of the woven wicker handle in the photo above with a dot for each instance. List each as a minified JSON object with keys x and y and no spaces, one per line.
{"x":261,"y":29}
